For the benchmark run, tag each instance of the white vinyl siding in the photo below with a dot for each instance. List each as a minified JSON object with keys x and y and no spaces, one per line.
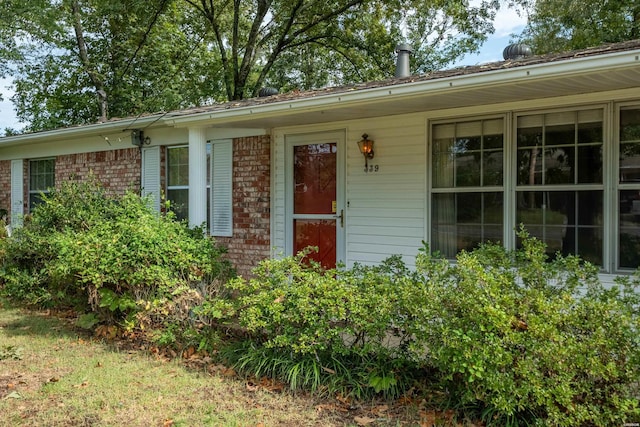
{"x":385,"y":207}
{"x":17,"y":192}
{"x":151,"y":175}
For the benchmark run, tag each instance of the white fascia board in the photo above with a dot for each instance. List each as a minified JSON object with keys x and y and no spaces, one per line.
{"x":79,"y":131}
{"x":541,"y":71}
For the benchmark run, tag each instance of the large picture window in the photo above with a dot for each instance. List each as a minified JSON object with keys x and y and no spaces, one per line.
{"x":559,"y":193}
{"x":629,"y":189}
{"x":554,"y":184}
{"x":467,"y":185}
{"x":41,"y":179}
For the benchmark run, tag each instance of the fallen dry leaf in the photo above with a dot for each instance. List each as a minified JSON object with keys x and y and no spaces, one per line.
{"x":363,"y":421}
{"x":380,"y":409}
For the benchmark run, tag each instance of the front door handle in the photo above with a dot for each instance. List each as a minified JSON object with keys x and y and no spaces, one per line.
{"x":341,"y":216}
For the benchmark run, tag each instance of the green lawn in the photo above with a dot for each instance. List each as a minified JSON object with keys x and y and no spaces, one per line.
{"x":51,"y":374}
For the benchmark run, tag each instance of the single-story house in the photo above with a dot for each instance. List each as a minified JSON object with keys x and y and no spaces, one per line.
{"x":452,"y":158}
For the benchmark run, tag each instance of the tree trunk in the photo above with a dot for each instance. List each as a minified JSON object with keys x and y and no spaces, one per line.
{"x":97,"y":82}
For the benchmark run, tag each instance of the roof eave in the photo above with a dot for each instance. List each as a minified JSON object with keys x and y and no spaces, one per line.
{"x":541,"y":71}
{"x":80,"y":131}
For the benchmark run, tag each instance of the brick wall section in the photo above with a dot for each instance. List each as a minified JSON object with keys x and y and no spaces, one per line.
{"x":118,"y":170}
{"x":251,"y":204}
{"x":5,"y":186}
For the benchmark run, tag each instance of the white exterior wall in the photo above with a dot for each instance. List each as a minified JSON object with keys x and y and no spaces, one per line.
{"x":384,"y":212}
{"x":385,"y":209}
{"x":387,"y":212}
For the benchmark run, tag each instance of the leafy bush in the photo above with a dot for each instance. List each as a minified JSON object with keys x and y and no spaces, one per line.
{"x":337,"y":323}
{"x":529,"y":339}
{"x":112,"y":255}
{"x":511,"y":335}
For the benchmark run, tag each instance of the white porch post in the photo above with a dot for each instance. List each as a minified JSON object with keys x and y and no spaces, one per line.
{"x":197,"y":176}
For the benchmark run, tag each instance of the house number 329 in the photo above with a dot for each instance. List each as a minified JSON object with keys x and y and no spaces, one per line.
{"x":372,"y":168}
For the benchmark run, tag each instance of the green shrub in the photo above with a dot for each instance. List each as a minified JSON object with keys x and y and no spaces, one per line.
{"x":323,"y":321}
{"x":112,"y":255}
{"x":529,"y":339}
{"x":512,"y":336}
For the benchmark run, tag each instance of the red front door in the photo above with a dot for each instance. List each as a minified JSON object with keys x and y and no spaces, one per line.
{"x":315,"y":204}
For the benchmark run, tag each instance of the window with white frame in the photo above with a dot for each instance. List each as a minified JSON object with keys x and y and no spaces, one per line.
{"x":178,"y":181}
{"x":219,"y":184}
{"x":41,"y":180}
{"x":559,"y":185}
{"x":467,"y":184}
{"x":629,"y":188}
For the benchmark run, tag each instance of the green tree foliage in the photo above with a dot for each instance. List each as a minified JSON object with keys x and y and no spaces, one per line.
{"x":78,"y":61}
{"x":562,"y":25}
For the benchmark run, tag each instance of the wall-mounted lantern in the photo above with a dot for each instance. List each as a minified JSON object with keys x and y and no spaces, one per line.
{"x":366,"y":148}
{"x":138,"y":139}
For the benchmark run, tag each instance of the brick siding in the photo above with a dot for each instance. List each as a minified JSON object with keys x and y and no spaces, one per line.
{"x":118,"y":170}
{"x":5,"y":186}
{"x":251,"y":204}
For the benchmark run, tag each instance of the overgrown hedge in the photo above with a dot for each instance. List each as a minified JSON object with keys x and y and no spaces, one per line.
{"x":511,"y":335}
{"x":506,"y":336}
{"x":114,"y":257}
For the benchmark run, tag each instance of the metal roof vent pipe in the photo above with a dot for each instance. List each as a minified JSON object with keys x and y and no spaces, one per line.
{"x":516,"y":51}
{"x":267,"y":91}
{"x":404,"y":52}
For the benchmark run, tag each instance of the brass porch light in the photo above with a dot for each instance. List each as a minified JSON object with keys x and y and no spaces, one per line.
{"x":366,"y":148}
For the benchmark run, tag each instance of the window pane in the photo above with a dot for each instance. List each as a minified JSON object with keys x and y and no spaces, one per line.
{"x":630,"y":125}
{"x":314,"y":177}
{"x":630,"y":146}
{"x":467,"y":163}
{"x":560,"y":135}
{"x":629,"y":162}
{"x":319,"y":233}
{"x":530,"y":166}
{"x":442,"y":163}
{"x":590,"y":164}
{"x":492,"y":168}
{"x":572,"y":146}
{"x":179,"y":202}
{"x":559,"y":165}
{"x":464,"y":220}
{"x":178,"y":166}
{"x":569,"y":222}
{"x":629,"y":243}
{"x":464,"y":157}
{"x":589,"y":133}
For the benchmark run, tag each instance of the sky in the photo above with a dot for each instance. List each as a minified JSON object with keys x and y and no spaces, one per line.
{"x":507,"y":22}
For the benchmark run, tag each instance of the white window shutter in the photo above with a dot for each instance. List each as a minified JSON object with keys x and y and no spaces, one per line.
{"x":222,"y":188}
{"x":151,"y":175}
{"x":17,"y":192}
